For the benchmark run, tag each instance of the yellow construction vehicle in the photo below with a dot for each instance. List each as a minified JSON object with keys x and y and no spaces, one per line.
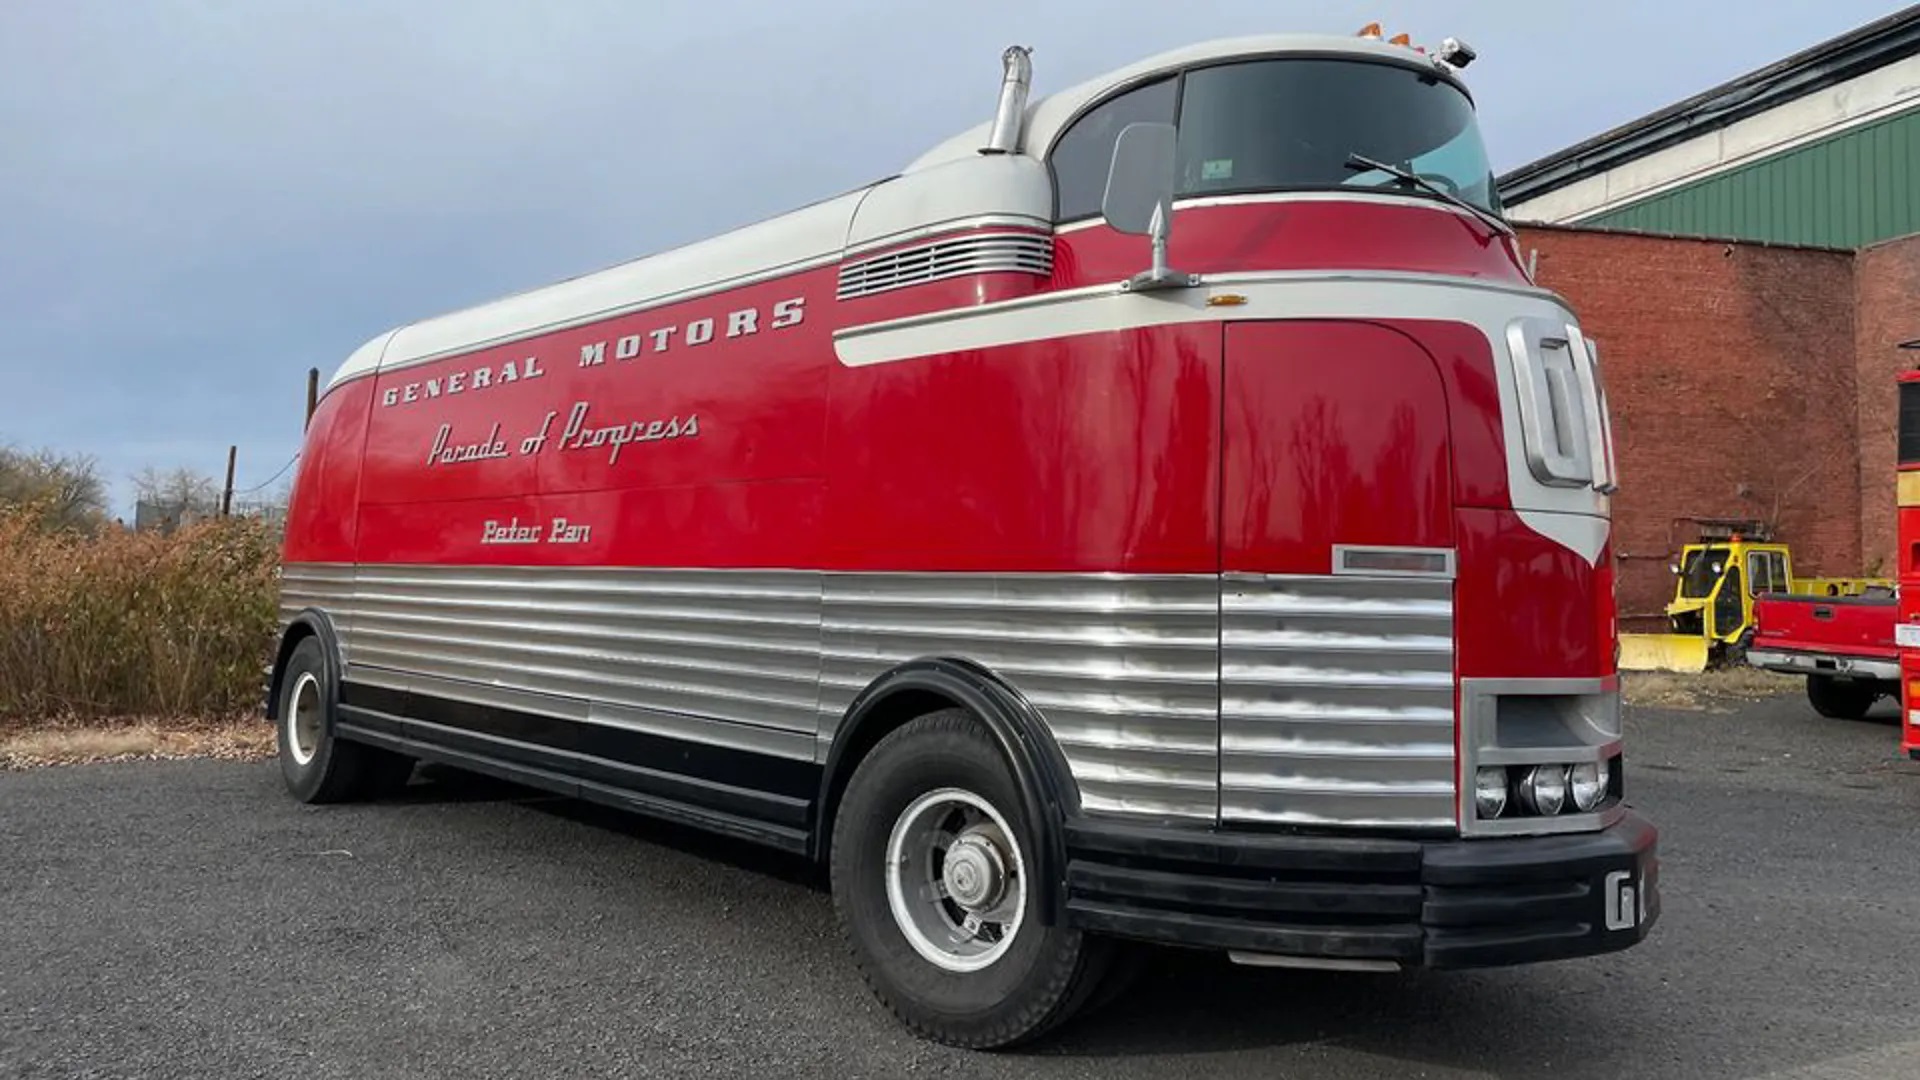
{"x":1716,"y":580}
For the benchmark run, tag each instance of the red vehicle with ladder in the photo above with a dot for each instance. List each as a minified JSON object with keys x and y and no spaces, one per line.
{"x":1168,"y":512}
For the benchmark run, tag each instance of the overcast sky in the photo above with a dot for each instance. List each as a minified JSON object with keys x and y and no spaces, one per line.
{"x":200,"y":200}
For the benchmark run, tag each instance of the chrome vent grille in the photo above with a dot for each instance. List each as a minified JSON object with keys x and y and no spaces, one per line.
{"x":984,"y":253}
{"x":1336,"y":701}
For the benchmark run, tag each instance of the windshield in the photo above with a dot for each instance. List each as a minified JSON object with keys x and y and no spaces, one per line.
{"x":1277,"y":125}
{"x":1700,"y":571}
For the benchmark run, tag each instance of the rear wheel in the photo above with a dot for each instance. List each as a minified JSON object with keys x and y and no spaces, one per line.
{"x":1841,"y":699}
{"x":934,"y":881}
{"x":317,"y":767}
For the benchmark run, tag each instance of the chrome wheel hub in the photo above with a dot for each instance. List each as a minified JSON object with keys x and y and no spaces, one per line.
{"x":975,"y":873}
{"x":955,"y":880}
{"x":303,"y":718}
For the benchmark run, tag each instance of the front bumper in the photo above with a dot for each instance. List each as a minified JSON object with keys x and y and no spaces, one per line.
{"x":1407,"y":903}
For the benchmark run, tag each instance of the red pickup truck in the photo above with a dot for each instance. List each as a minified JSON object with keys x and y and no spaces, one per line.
{"x":1844,"y":645}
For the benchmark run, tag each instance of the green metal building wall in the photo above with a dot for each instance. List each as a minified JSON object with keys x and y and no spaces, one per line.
{"x":1846,"y":191}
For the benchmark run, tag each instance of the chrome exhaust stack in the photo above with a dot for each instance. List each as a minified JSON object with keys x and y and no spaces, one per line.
{"x":1011,"y":114}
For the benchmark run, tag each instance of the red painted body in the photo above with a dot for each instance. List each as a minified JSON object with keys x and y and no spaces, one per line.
{"x":1194,"y":448}
{"x":1857,"y":627}
{"x":1908,"y":565}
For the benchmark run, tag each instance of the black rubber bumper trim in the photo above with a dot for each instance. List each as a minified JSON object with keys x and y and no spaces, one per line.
{"x":1308,"y":897}
{"x":1252,"y":851}
{"x":1393,"y":942}
{"x":1438,"y":903}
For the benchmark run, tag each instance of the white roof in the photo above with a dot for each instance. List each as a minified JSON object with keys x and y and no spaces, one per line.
{"x":1046,"y":116}
{"x":808,"y":235}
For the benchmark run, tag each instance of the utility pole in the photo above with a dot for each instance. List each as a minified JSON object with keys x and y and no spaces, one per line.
{"x":313,"y":392}
{"x":226,"y":494}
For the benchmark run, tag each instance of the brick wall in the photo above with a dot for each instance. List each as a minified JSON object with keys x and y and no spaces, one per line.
{"x":1731,"y":370}
{"x":1887,"y":306}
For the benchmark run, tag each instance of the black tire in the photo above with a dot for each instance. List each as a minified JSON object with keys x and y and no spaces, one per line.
{"x":1129,"y":961}
{"x":317,"y":767}
{"x":1046,"y":974}
{"x":1841,"y":699}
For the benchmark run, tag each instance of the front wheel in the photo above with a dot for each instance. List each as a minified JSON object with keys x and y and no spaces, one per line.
{"x":934,"y":881}
{"x":1840,"y":699}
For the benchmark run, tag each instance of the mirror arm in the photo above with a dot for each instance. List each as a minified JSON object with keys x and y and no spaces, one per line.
{"x":1160,"y":275}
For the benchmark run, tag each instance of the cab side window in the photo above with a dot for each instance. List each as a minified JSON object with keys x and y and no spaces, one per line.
{"x":1768,"y":571}
{"x":1082,"y":157}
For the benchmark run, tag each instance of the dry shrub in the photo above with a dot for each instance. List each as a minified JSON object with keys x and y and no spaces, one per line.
{"x":130,"y":623}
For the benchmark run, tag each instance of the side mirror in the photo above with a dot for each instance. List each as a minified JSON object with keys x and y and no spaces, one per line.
{"x":1674,"y":569}
{"x":1141,"y":179}
{"x":1139,"y":198}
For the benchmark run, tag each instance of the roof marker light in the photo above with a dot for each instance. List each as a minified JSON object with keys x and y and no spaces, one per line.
{"x":1457,"y":53}
{"x":1371,"y":30}
{"x":1401,"y":39}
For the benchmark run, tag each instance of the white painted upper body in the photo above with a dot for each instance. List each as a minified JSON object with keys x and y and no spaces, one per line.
{"x":952,"y":182}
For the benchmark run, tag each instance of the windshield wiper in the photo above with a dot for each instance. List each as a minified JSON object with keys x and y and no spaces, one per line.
{"x":1360,"y":164}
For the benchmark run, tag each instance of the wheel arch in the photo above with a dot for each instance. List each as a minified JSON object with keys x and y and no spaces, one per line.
{"x":308,"y":623}
{"x":1040,"y":772}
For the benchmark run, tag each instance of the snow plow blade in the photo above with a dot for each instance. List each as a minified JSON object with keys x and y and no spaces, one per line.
{"x":1662,"y":652}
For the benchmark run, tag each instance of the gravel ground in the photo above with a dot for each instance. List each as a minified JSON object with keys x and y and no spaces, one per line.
{"x":187,"y":919}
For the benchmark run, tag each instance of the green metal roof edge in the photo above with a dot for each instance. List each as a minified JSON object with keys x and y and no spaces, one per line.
{"x":1874,"y":45}
{"x":1702,"y":238}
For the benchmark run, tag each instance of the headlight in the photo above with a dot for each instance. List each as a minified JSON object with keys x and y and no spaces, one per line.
{"x":1490,"y":791}
{"x":1589,"y":783}
{"x":1544,"y":791}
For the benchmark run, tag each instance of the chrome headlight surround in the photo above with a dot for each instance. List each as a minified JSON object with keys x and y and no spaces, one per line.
{"x":1571,"y":726}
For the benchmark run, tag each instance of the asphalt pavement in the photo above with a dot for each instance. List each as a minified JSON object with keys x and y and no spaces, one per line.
{"x":190,"y":920}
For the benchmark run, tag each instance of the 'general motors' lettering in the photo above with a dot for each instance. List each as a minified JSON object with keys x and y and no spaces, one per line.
{"x":460,"y":382}
{"x":691,"y":334}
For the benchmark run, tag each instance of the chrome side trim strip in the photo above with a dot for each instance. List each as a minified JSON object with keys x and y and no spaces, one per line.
{"x":321,"y":586}
{"x":736,"y":647}
{"x":1123,"y":668}
{"x":797,"y":746}
{"x":1324,"y":701}
{"x":1336,"y":701}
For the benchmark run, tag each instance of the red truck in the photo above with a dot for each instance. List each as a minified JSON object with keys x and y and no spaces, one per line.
{"x":1844,"y":645}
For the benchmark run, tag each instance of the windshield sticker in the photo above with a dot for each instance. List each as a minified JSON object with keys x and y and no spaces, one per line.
{"x":1217,"y":169}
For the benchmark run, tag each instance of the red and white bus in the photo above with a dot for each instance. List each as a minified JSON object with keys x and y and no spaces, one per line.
{"x":1167,"y":512}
